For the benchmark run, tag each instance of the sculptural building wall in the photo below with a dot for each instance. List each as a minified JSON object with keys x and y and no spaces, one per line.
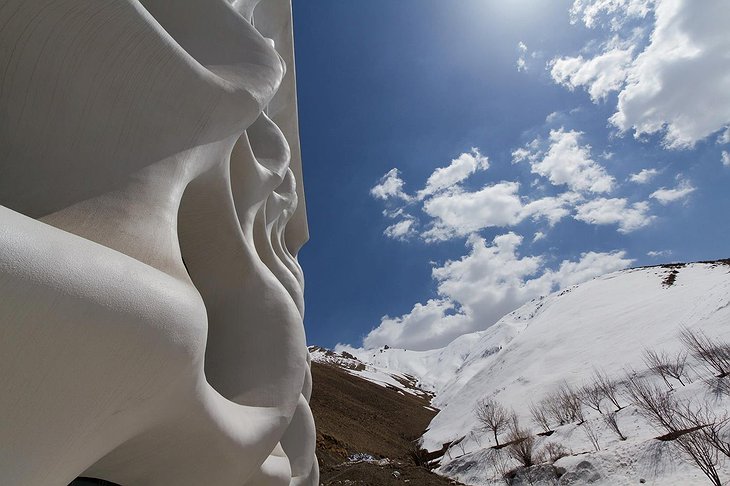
{"x":151,"y":210}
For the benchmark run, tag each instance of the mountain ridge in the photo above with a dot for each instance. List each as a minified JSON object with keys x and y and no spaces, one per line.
{"x":603,"y":324}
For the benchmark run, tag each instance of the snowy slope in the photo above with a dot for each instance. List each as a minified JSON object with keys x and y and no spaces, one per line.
{"x":605,"y":323}
{"x":395,"y":380}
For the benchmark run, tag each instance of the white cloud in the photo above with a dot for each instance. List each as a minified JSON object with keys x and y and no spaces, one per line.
{"x":677,"y":85}
{"x":478,"y":289}
{"x":402,"y":230}
{"x":724,"y":137}
{"x":599,"y":75}
{"x":566,"y":162}
{"x":390,"y":186}
{"x":616,"y":12}
{"x":553,"y":209}
{"x":458,"y":213}
{"x":658,"y":253}
{"x":643,"y":176}
{"x":725,"y":157}
{"x":539,"y":235}
{"x":461,"y":168}
{"x":591,"y":264}
{"x":666,"y":196}
{"x":617,"y":211}
{"x":521,"y":62}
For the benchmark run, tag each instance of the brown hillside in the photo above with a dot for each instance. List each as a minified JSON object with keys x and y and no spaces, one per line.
{"x":354,"y":416}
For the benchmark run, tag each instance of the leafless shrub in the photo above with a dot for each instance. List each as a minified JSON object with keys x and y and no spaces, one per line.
{"x":592,"y":435}
{"x":698,"y":451}
{"x":571,"y":403}
{"x":695,"y":431}
{"x":420,"y":457}
{"x":609,"y":387}
{"x":718,"y":386}
{"x":591,"y":396}
{"x":501,"y":462}
{"x":677,"y":367}
{"x":654,"y":404}
{"x":521,"y":444}
{"x":666,"y":365}
{"x":492,"y":416}
{"x":712,"y":427}
{"x":714,"y":355}
{"x":610,"y":419}
{"x":552,"y":451}
{"x":539,"y":415}
{"x":553,"y":406}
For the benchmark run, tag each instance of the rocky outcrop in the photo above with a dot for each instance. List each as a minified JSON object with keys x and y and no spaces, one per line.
{"x":151,"y":210}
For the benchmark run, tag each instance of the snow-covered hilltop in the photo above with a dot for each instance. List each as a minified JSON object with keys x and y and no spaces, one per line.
{"x":605,"y":324}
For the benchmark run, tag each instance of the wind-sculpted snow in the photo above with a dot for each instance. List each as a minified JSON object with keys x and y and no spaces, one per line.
{"x":151,"y":210}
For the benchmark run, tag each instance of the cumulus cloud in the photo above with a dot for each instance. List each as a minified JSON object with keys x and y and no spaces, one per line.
{"x":618,"y":211}
{"x":666,"y":196}
{"x":451,"y":210}
{"x":552,"y":209}
{"x":566,"y":162}
{"x":615,"y":12}
{"x":599,"y":75}
{"x":725,"y":157}
{"x":676,"y":85}
{"x":539,"y":235}
{"x":458,"y":212}
{"x":643,"y":176}
{"x":475,"y":291}
{"x":461,"y":168}
{"x":724,"y":137}
{"x":390,"y":186}
{"x":658,"y":253}
{"x":402,"y":230}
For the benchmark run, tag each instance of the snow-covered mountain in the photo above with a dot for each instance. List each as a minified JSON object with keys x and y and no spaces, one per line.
{"x":604,"y":324}
{"x":398,"y":381}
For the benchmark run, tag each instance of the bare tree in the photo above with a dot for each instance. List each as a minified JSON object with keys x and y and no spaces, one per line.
{"x":592,"y":435}
{"x":610,"y":419}
{"x":551,"y":452}
{"x":714,"y":355}
{"x":492,"y":416}
{"x":501,"y":462}
{"x":698,"y":451}
{"x":711,"y":426}
{"x":609,"y":387}
{"x":666,"y":365}
{"x":677,"y":367}
{"x":521,"y":444}
{"x":657,"y":363}
{"x":553,"y":405}
{"x":591,"y":396}
{"x":695,"y":431}
{"x":571,"y":403}
{"x":718,"y":386}
{"x":539,"y":415}
{"x":653,"y":403}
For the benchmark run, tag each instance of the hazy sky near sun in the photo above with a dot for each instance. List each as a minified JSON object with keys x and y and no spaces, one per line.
{"x":463,"y":157}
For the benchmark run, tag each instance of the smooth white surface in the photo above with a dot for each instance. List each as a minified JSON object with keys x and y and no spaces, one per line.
{"x":150,"y":215}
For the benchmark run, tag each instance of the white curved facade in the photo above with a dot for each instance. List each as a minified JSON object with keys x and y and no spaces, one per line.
{"x":151,"y":210}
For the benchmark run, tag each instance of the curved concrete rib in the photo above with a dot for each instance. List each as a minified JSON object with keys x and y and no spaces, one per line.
{"x":151,"y":209}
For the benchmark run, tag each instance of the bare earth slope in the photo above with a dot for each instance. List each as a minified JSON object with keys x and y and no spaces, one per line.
{"x":355,"y":419}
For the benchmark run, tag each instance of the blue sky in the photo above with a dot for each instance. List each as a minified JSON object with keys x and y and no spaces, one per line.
{"x":463,"y":157}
